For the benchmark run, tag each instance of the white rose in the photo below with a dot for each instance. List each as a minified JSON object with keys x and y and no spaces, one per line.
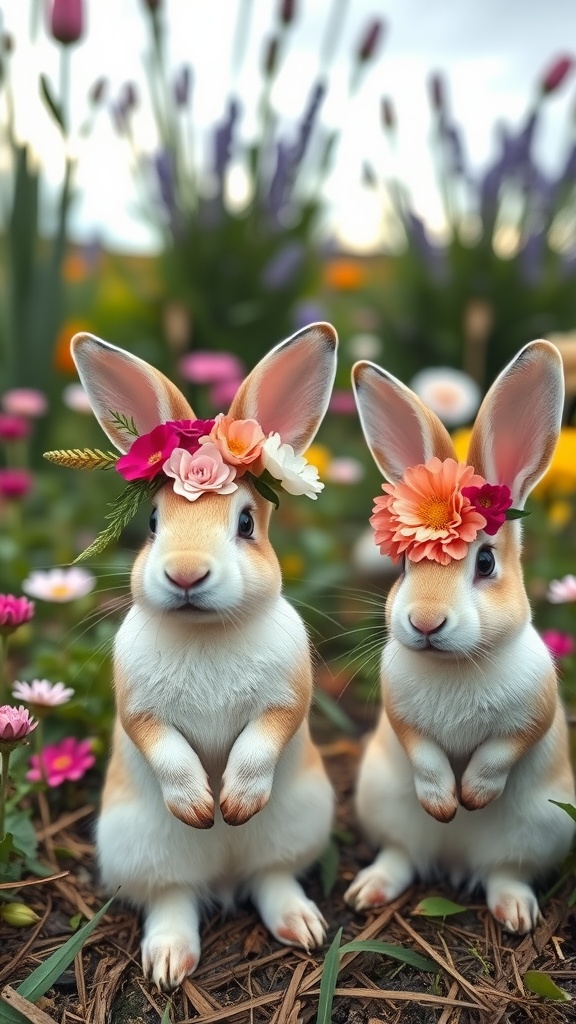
{"x":295,"y":474}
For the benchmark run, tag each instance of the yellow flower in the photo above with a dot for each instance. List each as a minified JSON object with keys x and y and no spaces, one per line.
{"x":293,"y":566}
{"x":318,"y":455}
{"x":560,"y":513}
{"x":560,"y":479}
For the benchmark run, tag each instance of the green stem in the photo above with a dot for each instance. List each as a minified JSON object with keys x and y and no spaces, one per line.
{"x":4,"y":687}
{"x":3,"y":790}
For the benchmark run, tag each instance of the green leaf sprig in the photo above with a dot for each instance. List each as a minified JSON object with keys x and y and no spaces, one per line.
{"x":122,"y":511}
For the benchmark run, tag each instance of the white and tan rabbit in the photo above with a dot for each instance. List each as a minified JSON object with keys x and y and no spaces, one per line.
{"x":472,"y":741}
{"x":214,"y":787}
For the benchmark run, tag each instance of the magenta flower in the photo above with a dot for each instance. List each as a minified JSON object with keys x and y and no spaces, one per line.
{"x":560,"y":645}
{"x":204,"y":367}
{"x":556,"y":74}
{"x":148,"y":453}
{"x":67,"y":21}
{"x":24,"y":402}
{"x":223,"y":392}
{"x":69,"y":759}
{"x":13,"y":428}
{"x":370,"y":41}
{"x":15,"y":483}
{"x":42,"y":693}
{"x":492,"y":501}
{"x":14,"y":612}
{"x":15,"y":724}
{"x":342,"y":403}
{"x":190,"y":432}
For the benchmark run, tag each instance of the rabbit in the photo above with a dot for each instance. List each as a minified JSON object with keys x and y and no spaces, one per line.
{"x":472,"y":743}
{"x":214,"y":787}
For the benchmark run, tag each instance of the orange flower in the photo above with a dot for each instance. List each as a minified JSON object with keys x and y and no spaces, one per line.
{"x":239,"y":441}
{"x":344,"y":275}
{"x":426,"y":515}
{"x":62,"y":358}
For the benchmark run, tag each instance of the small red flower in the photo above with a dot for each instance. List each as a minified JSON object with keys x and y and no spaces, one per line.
{"x":556,"y":74}
{"x":67,"y":21}
{"x":492,"y":501}
{"x":14,"y":612}
{"x":13,"y":428}
{"x":560,"y":645}
{"x":148,"y":453}
{"x":15,"y":483}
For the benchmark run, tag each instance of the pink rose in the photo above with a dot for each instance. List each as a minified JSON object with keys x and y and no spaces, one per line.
{"x":200,"y":471}
{"x":190,"y":431}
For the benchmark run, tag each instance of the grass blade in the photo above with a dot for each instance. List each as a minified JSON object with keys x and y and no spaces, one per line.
{"x":407,"y":956}
{"x":328,"y":982}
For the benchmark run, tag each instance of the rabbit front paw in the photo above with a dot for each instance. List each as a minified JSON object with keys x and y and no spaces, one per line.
{"x":478,"y":792}
{"x":486,"y":775}
{"x":437,"y":797}
{"x":192,"y":803}
{"x":244,"y":793}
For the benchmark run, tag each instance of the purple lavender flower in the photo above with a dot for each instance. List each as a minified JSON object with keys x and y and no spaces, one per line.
{"x":182,"y":85}
{"x":530,"y":257}
{"x":307,"y":311}
{"x":280,"y":271}
{"x":165,"y":177}
{"x":281,"y":178}
{"x":223,"y":139}
{"x":308,"y":121}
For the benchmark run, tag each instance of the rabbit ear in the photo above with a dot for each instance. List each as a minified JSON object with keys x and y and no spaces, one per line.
{"x":517,"y":427}
{"x":118,"y":382}
{"x":289,"y":389}
{"x":399,"y":429}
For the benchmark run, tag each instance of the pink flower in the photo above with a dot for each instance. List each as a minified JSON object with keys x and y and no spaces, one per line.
{"x":204,"y":367}
{"x":492,"y":502}
{"x":223,"y":392}
{"x":240,"y":441}
{"x":13,"y":428}
{"x":345,"y":470}
{"x":75,"y":397}
{"x":144,"y":459}
{"x":556,"y":74}
{"x":69,"y":759}
{"x":426,"y":515}
{"x":15,"y":483}
{"x":560,"y":645}
{"x":342,"y":403}
{"x":14,"y":612}
{"x":59,"y":585}
{"x":190,"y":432}
{"x":24,"y":402}
{"x":67,"y":20}
{"x":203,"y":470}
{"x":42,"y":693}
{"x":561,"y":591}
{"x":15,"y":723}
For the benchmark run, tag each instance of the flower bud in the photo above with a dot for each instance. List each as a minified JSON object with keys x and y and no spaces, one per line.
{"x":388,"y":113}
{"x":287,"y":11}
{"x":67,"y":21}
{"x":556,"y":74}
{"x":18,"y":915}
{"x":370,"y":41}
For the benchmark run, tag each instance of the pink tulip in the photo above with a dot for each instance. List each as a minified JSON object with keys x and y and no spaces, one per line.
{"x":67,"y":21}
{"x":556,"y":74}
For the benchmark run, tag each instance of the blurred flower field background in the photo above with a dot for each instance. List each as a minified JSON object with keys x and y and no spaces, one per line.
{"x":232,"y":278}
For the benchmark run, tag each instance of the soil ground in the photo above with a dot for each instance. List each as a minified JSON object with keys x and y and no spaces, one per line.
{"x":245,"y":977}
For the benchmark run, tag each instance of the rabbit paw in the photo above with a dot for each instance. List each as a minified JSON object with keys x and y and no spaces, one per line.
{"x":243,"y":796}
{"x":168,"y":958}
{"x":381,"y":882}
{"x":193,"y":806}
{"x":438,"y":801}
{"x":301,"y":924}
{"x":478,"y":790}
{"x":515,"y":907}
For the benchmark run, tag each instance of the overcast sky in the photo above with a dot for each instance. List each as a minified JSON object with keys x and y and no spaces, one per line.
{"x":490,"y":52}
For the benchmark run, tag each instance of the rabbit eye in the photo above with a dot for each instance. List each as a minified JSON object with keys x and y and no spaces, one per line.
{"x":153,"y":521}
{"x":485,"y":562}
{"x":245,"y":524}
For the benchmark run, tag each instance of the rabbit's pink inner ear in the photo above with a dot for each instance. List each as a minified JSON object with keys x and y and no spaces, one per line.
{"x":399,"y":429}
{"x":118,"y":382}
{"x":289,"y":390}
{"x":517,"y":427}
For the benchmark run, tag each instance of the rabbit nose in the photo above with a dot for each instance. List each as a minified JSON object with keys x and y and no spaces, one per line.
{"x":187,"y":580}
{"x":427,"y":624}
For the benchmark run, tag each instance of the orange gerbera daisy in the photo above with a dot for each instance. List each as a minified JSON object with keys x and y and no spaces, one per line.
{"x":426,"y":515}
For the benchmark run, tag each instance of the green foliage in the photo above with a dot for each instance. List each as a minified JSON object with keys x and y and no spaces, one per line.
{"x":542,"y":985}
{"x":438,"y":906}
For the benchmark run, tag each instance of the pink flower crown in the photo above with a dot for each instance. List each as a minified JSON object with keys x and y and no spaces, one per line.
{"x":200,"y":456}
{"x":437,"y":510}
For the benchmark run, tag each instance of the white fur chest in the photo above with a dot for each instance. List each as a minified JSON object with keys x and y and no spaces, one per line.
{"x":209,"y":682}
{"x":461,"y":703}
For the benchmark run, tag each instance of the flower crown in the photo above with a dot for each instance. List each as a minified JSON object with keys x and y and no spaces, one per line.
{"x":437,"y":510}
{"x":200,"y":456}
